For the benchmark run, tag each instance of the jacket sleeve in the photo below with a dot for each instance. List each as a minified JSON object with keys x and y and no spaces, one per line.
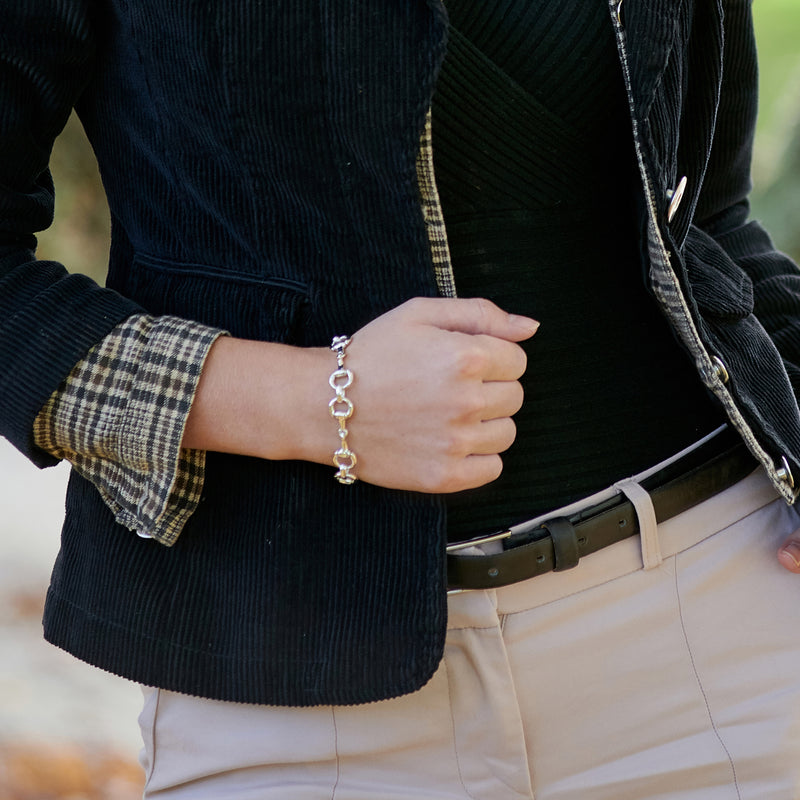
{"x":723,"y":207}
{"x":49,"y":319}
{"x":119,"y":419}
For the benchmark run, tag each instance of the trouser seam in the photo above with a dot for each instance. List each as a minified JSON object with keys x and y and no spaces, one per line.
{"x":453,"y":723}
{"x":335,"y":753}
{"x":696,"y":673}
{"x":512,"y":679}
{"x":501,"y":621}
{"x":150,"y":744}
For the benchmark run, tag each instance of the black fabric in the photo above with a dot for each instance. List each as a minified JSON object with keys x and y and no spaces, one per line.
{"x":269,"y":148}
{"x":280,"y":588}
{"x":536,"y":172}
{"x":558,"y":544}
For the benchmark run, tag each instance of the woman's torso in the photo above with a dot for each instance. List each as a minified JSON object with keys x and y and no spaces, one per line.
{"x":535,"y":167}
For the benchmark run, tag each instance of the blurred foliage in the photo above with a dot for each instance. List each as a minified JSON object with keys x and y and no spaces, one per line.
{"x":776,"y":167}
{"x":79,"y":236}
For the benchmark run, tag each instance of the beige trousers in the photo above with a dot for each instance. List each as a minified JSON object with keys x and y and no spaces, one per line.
{"x":606,"y":682}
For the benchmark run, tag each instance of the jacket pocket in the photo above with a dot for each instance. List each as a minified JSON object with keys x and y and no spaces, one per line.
{"x":719,"y":287}
{"x":249,"y":306}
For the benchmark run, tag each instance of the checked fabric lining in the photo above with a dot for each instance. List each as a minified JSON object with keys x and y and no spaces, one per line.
{"x":119,"y":417}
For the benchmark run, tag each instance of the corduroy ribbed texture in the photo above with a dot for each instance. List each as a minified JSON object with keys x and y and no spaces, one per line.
{"x":260,"y":164}
{"x":708,"y":138}
{"x":283,"y":222}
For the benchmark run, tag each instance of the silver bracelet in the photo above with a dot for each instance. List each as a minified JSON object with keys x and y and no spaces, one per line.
{"x":341,"y":408}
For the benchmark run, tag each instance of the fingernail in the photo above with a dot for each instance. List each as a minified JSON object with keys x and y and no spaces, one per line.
{"x":525,"y":323}
{"x":791,"y":553}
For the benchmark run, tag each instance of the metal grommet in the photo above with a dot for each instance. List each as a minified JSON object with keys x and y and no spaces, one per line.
{"x":675,"y":196}
{"x":785,"y":473}
{"x":619,"y":11}
{"x":717,"y":371}
{"x":720,"y":370}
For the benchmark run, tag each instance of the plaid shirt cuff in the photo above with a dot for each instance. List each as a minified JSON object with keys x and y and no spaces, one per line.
{"x":119,"y":419}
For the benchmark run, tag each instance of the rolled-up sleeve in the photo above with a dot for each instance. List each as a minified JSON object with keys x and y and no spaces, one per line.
{"x":119,"y":419}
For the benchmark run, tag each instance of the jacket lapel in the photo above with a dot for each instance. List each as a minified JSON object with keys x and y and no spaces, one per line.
{"x":651,"y":31}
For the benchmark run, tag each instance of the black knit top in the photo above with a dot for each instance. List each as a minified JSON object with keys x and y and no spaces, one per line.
{"x":535,"y":167}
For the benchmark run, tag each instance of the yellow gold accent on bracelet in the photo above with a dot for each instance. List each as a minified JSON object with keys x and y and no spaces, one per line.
{"x":341,"y":409}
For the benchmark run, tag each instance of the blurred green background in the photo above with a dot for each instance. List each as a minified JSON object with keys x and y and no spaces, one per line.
{"x":79,"y":237}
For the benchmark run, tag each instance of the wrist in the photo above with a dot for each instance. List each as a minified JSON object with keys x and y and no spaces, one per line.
{"x":263,"y":399}
{"x":294,"y":422}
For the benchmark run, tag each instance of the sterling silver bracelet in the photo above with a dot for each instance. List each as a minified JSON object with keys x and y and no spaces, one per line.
{"x":341,"y":408}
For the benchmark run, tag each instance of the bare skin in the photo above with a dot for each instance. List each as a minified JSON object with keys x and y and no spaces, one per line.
{"x":436,"y":386}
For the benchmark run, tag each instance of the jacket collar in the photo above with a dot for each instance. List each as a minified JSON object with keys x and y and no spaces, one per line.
{"x":652,"y":30}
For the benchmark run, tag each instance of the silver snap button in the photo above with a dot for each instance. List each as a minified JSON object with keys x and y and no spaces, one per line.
{"x":717,"y":371}
{"x":675,"y":196}
{"x":720,"y":370}
{"x":785,"y":473}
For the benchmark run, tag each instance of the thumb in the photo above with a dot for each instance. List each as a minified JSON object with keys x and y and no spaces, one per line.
{"x":789,"y":554}
{"x":475,"y":316}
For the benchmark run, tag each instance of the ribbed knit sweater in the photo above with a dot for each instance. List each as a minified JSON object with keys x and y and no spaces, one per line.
{"x":536,"y":173}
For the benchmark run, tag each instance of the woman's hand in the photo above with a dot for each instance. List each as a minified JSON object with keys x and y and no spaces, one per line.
{"x":436,"y":381}
{"x":789,"y":554}
{"x":436,"y":385}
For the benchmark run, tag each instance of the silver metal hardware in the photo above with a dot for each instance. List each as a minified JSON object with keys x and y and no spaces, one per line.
{"x":675,"y":196}
{"x":785,"y":473}
{"x":720,"y":370}
{"x":341,"y":413}
{"x":477,"y":541}
{"x":341,"y":409}
{"x":340,"y":379}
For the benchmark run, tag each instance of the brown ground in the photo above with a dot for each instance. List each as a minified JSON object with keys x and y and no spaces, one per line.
{"x":66,"y":772}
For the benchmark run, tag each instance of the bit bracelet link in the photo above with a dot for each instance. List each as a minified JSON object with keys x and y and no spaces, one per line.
{"x":341,"y":409}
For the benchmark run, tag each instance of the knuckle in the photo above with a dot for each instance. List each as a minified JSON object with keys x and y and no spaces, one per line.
{"x":470,"y":361}
{"x":454,"y":444}
{"x":440,"y":477}
{"x":414,"y":306}
{"x":469,"y":404}
{"x":483,"y":308}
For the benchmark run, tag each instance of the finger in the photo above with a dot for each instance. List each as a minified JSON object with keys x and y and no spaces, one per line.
{"x":494,"y":436}
{"x":506,"y":361}
{"x":789,"y":554}
{"x":475,"y":471}
{"x":502,"y":399}
{"x":485,"y":358}
{"x":474,"y":316}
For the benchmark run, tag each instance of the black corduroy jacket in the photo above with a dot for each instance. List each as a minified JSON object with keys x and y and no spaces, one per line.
{"x":261,"y":164}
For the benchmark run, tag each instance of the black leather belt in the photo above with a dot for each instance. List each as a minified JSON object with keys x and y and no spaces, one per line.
{"x":558,"y":543}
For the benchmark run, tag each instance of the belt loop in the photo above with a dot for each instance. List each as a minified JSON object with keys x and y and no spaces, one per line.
{"x":648,"y":527}
{"x":565,"y":543}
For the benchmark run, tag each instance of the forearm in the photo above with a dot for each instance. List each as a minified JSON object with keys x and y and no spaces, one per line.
{"x":264,"y":399}
{"x":435,"y":384}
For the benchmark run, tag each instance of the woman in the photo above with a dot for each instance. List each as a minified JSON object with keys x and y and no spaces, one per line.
{"x":270,"y":174}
